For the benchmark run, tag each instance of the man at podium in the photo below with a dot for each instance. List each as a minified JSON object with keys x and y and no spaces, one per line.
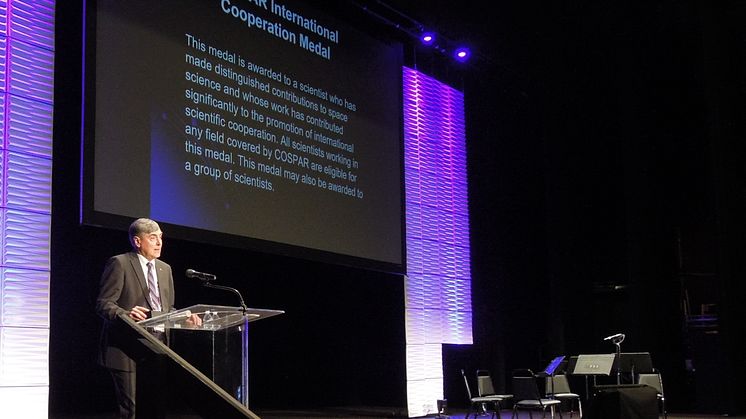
{"x":138,"y":284}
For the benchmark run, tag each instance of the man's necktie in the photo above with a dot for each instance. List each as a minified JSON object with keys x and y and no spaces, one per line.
{"x":155,"y":298}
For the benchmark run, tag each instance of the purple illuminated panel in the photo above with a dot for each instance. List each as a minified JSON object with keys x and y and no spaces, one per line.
{"x":438,"y":287}
{"x":437,"y":209}
{"x":26,"y":105}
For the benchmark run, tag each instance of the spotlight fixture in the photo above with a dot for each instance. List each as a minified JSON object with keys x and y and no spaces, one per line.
{"x":427,"y":38}
{"x":461,"y":54}
{"x":416,"y":30}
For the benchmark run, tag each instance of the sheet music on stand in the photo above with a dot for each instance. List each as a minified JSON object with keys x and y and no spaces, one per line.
{"x":592,"y":366}
{"x":554,"y":366}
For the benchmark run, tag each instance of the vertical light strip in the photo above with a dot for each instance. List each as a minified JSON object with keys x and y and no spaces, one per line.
{"x":26,"y":103}
{"x":438,"y":286}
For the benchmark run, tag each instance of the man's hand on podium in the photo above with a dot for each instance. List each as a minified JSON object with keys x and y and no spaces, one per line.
{"x":194,"y":320}
{"x":139,"y":313}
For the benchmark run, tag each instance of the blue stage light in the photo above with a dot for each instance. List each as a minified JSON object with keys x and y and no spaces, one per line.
{"x":427,"y":38}
{"x":462,"y":54}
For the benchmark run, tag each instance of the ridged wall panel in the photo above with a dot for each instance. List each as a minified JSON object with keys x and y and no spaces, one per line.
{"x":24,"y":402}
{"x":29,"y":127}
{"x":3,"y":60}
{"x":25,"y":352}
{"x":438,"y":285}
{"x":33,"y":22}
{"x":31,"y":70}
{"x":28,"y":183}
{"x":26,"y":298}
{"x":26,"y":108}
{"x":424,"y":379}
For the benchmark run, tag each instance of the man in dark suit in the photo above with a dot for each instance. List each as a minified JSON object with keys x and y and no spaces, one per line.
{"x":128,"y":287}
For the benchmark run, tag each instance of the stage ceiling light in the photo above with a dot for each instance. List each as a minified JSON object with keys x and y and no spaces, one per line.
{"x":461,"y":54}
{"x":427,"y":38}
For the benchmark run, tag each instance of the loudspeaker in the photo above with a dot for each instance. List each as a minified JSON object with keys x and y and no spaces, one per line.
{"x":626,"y":401}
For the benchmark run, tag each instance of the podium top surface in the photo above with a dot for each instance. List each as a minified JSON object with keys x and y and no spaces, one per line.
{"x":214,"y":317}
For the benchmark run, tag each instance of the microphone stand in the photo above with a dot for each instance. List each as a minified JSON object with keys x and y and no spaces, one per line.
{"x":618,"y":344}
{"x":208,"y":284}
{"x":617,"y":341}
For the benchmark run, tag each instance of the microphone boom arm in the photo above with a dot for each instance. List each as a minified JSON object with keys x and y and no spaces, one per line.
{"x":208,"y":284}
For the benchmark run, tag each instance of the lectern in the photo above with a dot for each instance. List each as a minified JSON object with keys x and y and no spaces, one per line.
{"x":218,"y":348}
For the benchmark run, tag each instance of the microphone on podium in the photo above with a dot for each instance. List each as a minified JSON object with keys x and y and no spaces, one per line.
{"x":206,"y":278}
{"x":191,"y":273}
{"x":618,"y":336}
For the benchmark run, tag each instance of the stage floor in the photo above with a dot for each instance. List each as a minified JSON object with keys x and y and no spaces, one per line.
{"x":506,"y":414}
{"x":381,"y":413}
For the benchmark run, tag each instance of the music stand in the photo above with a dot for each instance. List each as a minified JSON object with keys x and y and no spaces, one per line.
{"x":552,"y":368}
{"x":593,"y":365}
{"x":635,"y":363}
{"x":598,"y":364}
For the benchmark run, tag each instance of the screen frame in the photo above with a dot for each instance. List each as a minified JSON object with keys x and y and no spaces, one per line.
{"x":89,"y":216}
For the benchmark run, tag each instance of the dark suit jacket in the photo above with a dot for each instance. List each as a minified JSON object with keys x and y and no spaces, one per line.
{"x":122,"y":287}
